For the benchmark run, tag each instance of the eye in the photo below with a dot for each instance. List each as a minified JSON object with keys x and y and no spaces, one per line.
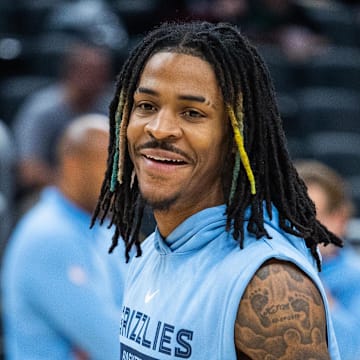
{"x":191,"y":113}
{"x":145,"y":107}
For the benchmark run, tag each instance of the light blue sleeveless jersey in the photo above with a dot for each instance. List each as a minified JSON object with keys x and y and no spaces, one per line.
{"x":182,"y":297}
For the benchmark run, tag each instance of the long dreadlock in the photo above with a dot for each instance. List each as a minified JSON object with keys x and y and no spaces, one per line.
{"x":261,"y":171}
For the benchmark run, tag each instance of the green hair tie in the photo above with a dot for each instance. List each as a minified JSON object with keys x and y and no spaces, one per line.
{"x":235,"y":175}
{"x":241,"y":148}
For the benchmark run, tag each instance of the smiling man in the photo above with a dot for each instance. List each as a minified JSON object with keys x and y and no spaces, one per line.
{"x":231,"y":269}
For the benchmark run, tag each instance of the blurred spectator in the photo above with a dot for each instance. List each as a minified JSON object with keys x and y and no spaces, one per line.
{"x":82,"y":88}
{"x":61,"y":290}
{"x":341,"y":267}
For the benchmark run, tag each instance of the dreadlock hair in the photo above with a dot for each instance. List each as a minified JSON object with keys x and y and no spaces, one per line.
{"x":261,"y":172}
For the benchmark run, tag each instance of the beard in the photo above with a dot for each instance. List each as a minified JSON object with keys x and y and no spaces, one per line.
{"x":160,"y":204}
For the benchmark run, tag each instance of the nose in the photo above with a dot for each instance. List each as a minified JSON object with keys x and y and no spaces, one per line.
{"x":164,"y":125}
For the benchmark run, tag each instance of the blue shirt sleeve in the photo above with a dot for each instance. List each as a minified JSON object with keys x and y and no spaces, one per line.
{"x":60,"y":279}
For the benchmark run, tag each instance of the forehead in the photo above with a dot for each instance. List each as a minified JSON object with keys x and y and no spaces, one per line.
{"x":172,"y":55}
{"x":318,"y":195}
{"x":182,"y":70}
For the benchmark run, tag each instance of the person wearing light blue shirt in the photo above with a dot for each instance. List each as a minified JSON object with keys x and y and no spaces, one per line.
{"x":231,"y":271}
{"x":341,"y":267}
{"x":61,"y":290}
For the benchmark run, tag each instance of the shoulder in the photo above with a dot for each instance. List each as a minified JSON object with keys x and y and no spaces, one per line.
{"x":281,"y":315}
{"x":37,"y":107}
{"x":44,"y":228}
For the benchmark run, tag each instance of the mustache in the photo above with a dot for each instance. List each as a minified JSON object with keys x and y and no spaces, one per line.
{"x":164,"y":145}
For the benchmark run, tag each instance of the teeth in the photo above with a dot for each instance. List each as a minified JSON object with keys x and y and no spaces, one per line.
{"x":164,"y":159}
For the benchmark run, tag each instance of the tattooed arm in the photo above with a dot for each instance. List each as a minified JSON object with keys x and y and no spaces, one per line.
{"x":281,"y":316}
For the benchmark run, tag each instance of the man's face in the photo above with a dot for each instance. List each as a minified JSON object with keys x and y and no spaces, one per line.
{"x":319,"y":197}
{"x":90,"y":75}
{"x":90,"y":166}
{"x":95,"y":165}
{"x":335,"y":220}
{"x":177,"y":133}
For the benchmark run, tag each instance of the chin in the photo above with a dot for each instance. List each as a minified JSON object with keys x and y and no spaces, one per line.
{"x":160,"y":204}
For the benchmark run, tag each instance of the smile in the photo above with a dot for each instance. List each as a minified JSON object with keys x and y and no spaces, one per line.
{"x":164,"y":160}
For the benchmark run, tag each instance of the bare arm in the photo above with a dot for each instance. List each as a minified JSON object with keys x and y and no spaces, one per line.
{"x":281,"y":316}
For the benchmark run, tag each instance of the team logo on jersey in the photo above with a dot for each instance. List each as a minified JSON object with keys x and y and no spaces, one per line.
{"x":150,"y":295}
{"x":154,"y":336}
{"x":127,"y":353}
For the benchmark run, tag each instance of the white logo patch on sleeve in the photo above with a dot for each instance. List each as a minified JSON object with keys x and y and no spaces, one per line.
{"x":77,"y":275}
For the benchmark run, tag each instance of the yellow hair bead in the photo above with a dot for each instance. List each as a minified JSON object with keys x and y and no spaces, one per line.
{"x":240,"y":144}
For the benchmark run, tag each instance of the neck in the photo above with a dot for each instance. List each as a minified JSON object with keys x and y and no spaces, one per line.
{"x":168,"y":220}
{"x":73,"y":194}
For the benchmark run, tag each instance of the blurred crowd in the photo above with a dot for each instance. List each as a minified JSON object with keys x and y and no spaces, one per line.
{"x":59,"y":60}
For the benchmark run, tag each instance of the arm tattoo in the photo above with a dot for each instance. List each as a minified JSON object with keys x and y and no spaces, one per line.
{"x":281,"y":316}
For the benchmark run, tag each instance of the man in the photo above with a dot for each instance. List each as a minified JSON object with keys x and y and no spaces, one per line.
{"x":61,"y":291}
{"x":196,"y":135}
{"x":341,"y":269}
{"x":82,"y":88}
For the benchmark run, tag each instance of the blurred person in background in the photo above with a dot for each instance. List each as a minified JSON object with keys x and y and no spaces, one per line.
{"x":341,"y":267}
{"x":83,"y":87}
{"x":61,"y":291}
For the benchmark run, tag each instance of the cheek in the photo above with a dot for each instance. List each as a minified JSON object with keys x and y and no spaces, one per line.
{"x":130,"y":133}
{"x":95,"y":172}
{"x":212,"y":151}
{"x":214,"y":140}
{"x":133,"y":131}
{"x":326,"y":220}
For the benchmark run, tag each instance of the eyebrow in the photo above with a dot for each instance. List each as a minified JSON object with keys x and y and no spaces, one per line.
{"x":197,"y":98}
{"x":189,"y":97}
{"x":148,"y":91}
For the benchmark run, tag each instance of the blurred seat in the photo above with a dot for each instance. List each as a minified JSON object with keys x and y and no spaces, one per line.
{"x":95,"y":21}
{"x":7,"y":183}
{"x":288,"y":107}
{"x":90,"y":21}
{"x":354,"y":189}
{"x":282,"y":70}
{"x":26,"y":17}
{"x":45,"y":53}
{"x":10,"y":55}
{"x":335,"y":20}
{"x":33,"y":55}
{"x":5,"y":18}
{"x":339,"y":150}
{"x":336,"y":66}
{"x":298,"y":148}
{"x":138,"y":15}
{"x":353,"y":231}
{"x":14,"y":90}
{"x":327,"y":109}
